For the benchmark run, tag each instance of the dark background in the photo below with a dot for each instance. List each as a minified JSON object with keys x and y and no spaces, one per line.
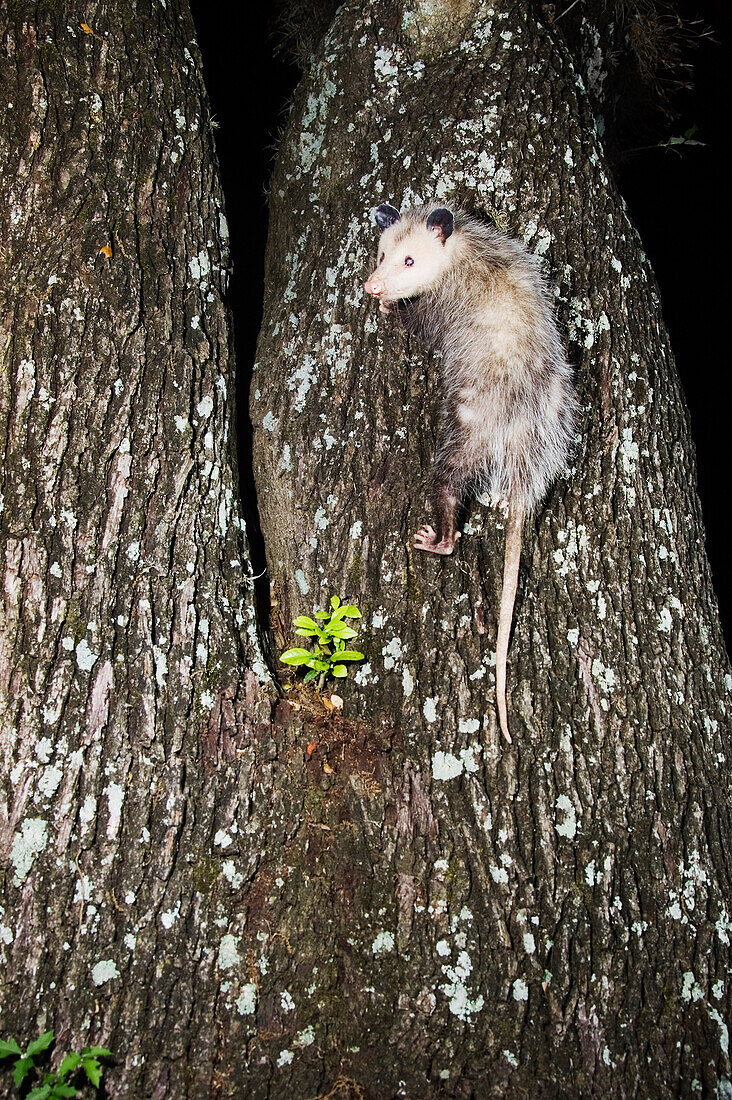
{"x":679,"y":202}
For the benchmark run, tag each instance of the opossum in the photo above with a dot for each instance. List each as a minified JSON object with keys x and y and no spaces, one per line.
{"x":509,"y":402}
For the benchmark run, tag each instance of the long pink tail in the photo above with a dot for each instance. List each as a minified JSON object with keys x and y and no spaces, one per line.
{"x":511,"y":562}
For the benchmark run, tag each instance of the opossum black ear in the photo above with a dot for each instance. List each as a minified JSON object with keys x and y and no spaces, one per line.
{"x":386,"y":215}
{"x":442,"y":220}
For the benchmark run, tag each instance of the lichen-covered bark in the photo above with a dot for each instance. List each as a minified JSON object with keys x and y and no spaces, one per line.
{"x":128,"y":656}
{"x":458,"y":917}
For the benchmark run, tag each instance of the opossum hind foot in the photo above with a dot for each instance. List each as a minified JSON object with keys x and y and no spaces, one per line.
{"x":426,"y":539}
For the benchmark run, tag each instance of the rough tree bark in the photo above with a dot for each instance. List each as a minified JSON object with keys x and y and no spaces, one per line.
{"x":128,"y":654}
{"x":440,"y":915}
{"x":551,"y":918}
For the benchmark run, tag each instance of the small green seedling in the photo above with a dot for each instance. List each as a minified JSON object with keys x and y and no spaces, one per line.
{"x":330,"y":655}
{"x":56,"y":1083}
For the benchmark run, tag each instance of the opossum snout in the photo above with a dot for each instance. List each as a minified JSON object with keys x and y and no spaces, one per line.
{"x":374,"y":286}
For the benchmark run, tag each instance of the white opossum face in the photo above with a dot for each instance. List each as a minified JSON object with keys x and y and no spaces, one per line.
{"x":413,"y":254}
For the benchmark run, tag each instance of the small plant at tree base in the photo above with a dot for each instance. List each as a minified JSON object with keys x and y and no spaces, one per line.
{"x":330,"y":655}
{"x":56,"y":1083}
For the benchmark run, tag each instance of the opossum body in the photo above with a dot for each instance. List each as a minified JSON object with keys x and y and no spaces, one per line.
{"x":509,"y":405}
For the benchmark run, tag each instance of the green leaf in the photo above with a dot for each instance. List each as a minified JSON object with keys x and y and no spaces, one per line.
{"x":338,"y":630}
{"x":21,"y":1070}
{"x":322,"y":614}
{"x":349,"y":655}
{"x":39,"y":1093}
{"x":321,"y":666}
{"x":351,"y":611}
{"x":43,"y":1042}
{"x":310,"y":676}
{"x":339,"y":671}
{"x":64,"y":1090}
{"x":69,"y":1063}
{"x":303,"y":620}
{"x":306,"y":632}
{"x":8,"y":1047}
{"x":96,"y":1052}
{"x":93,"y":1070}
{"x":335,"y":601}
{"x":295,"y":656}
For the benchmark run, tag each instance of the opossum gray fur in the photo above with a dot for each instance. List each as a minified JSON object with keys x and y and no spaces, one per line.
{"x":509,"y":404}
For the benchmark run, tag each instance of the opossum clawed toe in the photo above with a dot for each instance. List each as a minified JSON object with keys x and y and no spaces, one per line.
{"x":509,"y":406}
{"x":426,"y":539}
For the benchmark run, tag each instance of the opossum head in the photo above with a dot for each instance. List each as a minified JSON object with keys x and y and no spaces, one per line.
{"x":414,"y":253}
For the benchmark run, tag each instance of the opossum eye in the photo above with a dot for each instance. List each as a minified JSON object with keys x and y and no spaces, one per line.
{"x":408,"y":261}
{"x":381,"y":258}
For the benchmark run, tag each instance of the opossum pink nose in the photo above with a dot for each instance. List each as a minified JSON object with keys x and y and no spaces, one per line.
{"x":372,"y":287}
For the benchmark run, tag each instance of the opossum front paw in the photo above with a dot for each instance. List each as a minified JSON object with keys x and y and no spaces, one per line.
{"x":426,"y":539}
{"x":384,"y":307}
{"x":501,"y":503}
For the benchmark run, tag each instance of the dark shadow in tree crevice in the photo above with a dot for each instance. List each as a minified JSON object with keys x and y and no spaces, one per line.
{"x":248,"y":88}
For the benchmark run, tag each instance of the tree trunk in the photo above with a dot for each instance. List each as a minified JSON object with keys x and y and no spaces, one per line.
{"x":439,"y":914}
{"x":549,"y":918}
{"x":128,"y":657}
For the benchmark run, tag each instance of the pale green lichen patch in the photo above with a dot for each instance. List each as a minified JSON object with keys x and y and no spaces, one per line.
{"x":605,"y":678}
{"x":520,"y":990}
{"x":232,"y":876}
{"x":392,"y":652}
{"x":429,"y":709}
{"x":170,"y":916}
{"x":228,"y":956}
{"x":690,"y":988}
{"x":568,"y":827}
{"x":383,"y":942}
{"x":304,"y":1038}
{"x":222,"y":838}
{"x":27,"y":845}
{"x":577,"y":543}
{"x":723,"y":1029}
{"x":199,"y":266}
{"x":49,"y":781}
{"x":246,"y":1002}
{"x":115,"y":798}
{"x":6,"y":933}
{"x":447,"y":766}
{"x":629,"y":453}
{"x":85,"y":658}
{"x":455,"y":988}
{"x":104,"y":971}
{"x":302,"y":582}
